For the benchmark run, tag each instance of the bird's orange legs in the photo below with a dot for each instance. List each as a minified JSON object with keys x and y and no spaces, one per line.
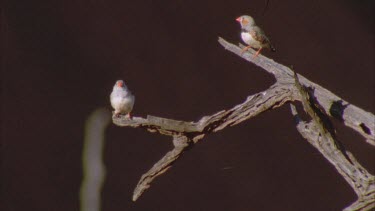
{"x":257,"y":53}
{"x":245,"y":49}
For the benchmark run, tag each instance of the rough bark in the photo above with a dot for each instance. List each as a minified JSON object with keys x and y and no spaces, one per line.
{"x":318,"y":102}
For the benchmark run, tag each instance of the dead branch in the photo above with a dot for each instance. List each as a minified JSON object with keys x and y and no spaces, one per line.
{"x":186,"y":134}
{"x":320,"y":133}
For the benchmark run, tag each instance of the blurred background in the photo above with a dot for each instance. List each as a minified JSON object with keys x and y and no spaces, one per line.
{"x":61,"y":59}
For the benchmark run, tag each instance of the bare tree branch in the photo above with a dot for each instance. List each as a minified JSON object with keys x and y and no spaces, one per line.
{"x":255,"y":104}
{"x":352,"y":116}
{"x":186,"y":134}
{"x":319,"y":133}
{"x":180,"y":143}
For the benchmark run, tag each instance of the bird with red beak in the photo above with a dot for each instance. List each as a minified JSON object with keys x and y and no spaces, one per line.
{"x":122,"y":99}
{"x":252,"y":35}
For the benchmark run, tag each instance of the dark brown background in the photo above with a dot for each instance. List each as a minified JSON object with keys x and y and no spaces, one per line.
{"x":61,"y":59}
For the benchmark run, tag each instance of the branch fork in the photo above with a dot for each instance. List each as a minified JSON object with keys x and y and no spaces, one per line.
{"x":289,"y":87}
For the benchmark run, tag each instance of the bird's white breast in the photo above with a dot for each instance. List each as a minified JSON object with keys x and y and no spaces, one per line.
{"x":248,"y":39}
{"x":122,"y":104}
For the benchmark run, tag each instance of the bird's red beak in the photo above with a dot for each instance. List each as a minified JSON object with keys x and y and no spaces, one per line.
{"x":119,"y":84}
{"x":238,"y":19}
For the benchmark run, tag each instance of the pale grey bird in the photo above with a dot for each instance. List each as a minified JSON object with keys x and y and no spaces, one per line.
{"x":252,"y":35}
{"x":122,"y":99}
